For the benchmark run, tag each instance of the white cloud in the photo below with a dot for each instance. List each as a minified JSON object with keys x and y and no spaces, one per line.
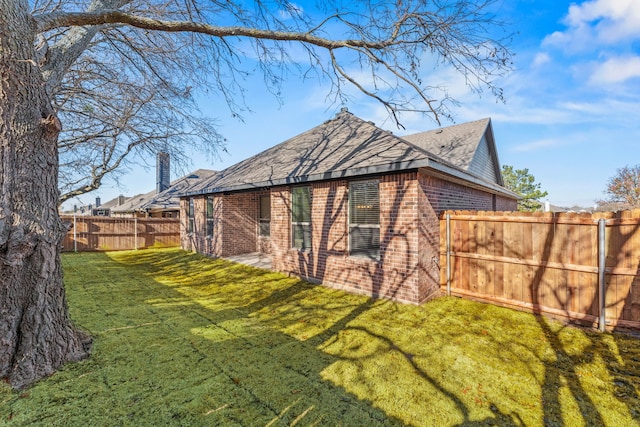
{"x":598,"y":22}
{"x":616,"y":70}
{"x":541,"y":59}
{"x":539,"y":144}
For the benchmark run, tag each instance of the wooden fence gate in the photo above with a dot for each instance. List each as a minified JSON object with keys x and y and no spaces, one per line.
{"x":581,"y":267}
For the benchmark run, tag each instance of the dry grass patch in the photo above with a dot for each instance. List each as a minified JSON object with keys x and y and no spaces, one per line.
{"x":181,"y":339}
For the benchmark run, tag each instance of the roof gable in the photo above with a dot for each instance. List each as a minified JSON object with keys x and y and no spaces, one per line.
{"x":469,"y":146}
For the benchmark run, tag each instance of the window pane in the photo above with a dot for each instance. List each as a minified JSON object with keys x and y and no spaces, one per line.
{"x":364,"y":203}
{"x":209,"y":207}
{"x":301,"y":209}
{"x":265,"y":208}
{"x":191,"y":209}
{"x":301,"y":236}
{"x":364,"y":219}
{"x":209,"y":227}
{"x":265,"y":228}
{"x":365,"y":241}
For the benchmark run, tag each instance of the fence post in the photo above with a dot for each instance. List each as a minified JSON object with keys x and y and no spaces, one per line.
{"x":601,"y":274}
{"x":448,"y":243}
{"x":135,"y":232}
{"x":75,"y":240}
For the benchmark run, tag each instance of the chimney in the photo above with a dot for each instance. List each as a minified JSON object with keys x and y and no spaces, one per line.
{"x":163,"y":177}
{"x":98,"y":202}
{"x":121,"y":200}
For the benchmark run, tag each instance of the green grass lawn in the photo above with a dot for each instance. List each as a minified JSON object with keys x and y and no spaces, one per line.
{"x":180,"y":339}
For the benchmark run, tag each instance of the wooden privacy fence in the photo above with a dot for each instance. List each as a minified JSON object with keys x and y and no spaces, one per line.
{"x":584,"y":268}
{"x":99,"y":233}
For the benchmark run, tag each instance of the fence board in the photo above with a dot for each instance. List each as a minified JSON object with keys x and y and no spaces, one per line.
{"x":548,"y":263}
{"x":98,"y":233}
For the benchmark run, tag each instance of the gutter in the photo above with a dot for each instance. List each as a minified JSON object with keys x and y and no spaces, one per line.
{"x":435,"y":168}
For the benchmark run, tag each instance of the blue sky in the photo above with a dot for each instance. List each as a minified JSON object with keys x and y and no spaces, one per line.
{"x":571,"y":114}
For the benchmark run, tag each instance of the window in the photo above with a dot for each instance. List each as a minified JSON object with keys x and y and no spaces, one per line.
{"x":364,"y":219}
{"x":209,"y":216}
{"x":301,"y":217}
{"x":191,"y":216}
{"x":265,"y":216}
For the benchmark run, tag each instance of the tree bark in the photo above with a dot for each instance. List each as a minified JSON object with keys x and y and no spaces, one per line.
{"x":36,"y":334}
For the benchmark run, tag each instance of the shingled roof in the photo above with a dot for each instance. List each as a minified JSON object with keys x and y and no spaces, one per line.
{"x":168,"y":199}
{"x":345,"y":146}
{"x":469,"y":146}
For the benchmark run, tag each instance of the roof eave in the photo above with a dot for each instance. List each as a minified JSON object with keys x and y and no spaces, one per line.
{"x":442,"y":170}
{"x":325,"y":176}
{"x":448,"y":173}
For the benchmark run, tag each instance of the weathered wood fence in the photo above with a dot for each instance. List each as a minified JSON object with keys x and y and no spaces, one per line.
{"x":584,"y":268}
{"x":99,"y":233}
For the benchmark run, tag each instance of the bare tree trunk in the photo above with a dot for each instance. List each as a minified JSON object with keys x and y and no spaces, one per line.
{"x":36,"y":335}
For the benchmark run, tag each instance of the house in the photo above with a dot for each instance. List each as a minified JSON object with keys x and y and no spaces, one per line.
{"x":348,"y":204}
{"x":99,"y":209}
{"x":164,"y":201}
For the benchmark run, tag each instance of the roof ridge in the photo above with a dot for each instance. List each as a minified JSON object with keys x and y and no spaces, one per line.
{"x":442,"y":128}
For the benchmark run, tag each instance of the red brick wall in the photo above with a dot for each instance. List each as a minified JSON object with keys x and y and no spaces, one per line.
{"x":506,"y":204}
{"x":235,"y":225}
{"x":394,"y":276}
{"x":240,"y":223}
{"x":410,"y":204}
{"x":445,"y":195}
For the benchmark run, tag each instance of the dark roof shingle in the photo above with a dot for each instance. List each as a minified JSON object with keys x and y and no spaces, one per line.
{"x":347,"y":146}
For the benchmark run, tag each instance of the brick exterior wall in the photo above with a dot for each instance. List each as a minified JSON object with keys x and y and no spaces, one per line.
{"x":394,"y":276}
{"x":445,"y":195}
{"x":410,"y":205}
{"x":235,"y":218}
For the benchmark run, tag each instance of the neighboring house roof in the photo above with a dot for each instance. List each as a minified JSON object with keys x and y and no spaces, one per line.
{"x":103,"y":206}
{"x":112,"y":203}
{"x":345,"y":146}
{"x":168,"y":199}
{"x":129,"y":204}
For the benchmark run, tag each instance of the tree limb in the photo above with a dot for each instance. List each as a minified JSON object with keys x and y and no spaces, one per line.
{"x":51,"y":21}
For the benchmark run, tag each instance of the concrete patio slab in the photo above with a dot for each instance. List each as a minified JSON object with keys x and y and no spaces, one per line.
{"x":254,"y":259}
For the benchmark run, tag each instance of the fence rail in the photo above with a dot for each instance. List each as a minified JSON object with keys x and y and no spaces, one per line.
{"x":97,"y":233}
{"x":558,"y":264}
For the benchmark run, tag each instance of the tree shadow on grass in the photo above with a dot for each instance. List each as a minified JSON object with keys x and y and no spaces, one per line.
{"x":248,"y":358}
{"x":164,"y":353}
{"x":565,"y":379}
{"x":253,"y":354}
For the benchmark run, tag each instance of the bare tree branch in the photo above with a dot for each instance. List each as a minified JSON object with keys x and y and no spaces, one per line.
{"x":93,"y":60}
